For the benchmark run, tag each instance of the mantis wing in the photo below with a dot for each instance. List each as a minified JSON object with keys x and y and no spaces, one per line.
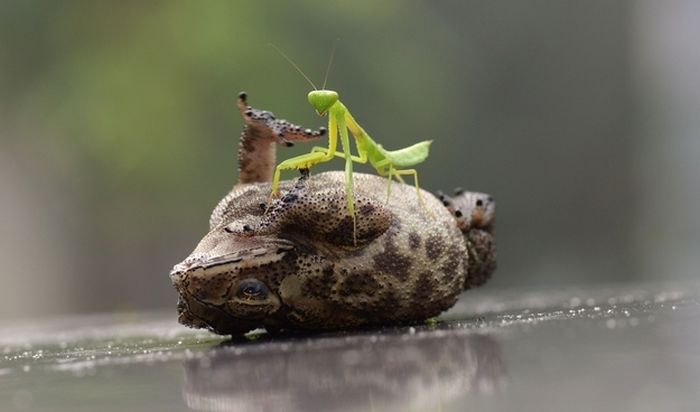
{"x":409,"y":156}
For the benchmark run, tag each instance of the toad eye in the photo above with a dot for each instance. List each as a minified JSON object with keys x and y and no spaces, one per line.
{"x":252,"y":289}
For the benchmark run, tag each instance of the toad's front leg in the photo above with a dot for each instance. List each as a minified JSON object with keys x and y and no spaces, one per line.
{"x":256,"y":150}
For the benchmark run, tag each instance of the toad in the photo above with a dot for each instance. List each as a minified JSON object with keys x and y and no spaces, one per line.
{"x":296,"y":262}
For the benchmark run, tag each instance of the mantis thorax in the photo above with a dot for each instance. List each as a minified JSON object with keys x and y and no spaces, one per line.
{"x":322,"y":100}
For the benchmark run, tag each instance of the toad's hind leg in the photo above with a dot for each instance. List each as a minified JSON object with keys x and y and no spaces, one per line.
{"x":474,"y":214}
{"x":471,"y":210}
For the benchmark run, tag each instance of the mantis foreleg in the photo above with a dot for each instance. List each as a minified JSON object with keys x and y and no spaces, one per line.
{"x":349,"y":196}
{"x":308,"y":160}
{"x":304,"y":161}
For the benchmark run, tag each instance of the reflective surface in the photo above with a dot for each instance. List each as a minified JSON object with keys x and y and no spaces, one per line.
{"x":610,"y":348}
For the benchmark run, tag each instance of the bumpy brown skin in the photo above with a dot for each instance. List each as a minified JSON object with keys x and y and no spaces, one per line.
{"x":407,"y":265}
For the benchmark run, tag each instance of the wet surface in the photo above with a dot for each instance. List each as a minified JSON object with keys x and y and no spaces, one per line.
{"x":609,"y":348}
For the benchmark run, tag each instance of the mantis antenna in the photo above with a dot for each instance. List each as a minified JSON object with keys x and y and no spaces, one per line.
{"x":293,"y":64}
{"x":330,"y":63}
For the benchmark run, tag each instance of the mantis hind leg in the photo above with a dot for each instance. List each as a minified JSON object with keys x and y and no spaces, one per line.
{"x":389,"y":174}
{"x":356,"y":159}
{"x":386,"y":169}
{"x":414,"y":173}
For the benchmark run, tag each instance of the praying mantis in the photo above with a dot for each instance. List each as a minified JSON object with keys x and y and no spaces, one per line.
{"x":388,"y":163}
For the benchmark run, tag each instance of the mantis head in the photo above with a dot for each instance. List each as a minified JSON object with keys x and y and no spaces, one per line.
{"x":322,"y":100}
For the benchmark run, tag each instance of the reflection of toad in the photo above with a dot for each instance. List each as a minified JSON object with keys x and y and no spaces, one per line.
{"x":293,"y":264}
{"x":424,"y":371}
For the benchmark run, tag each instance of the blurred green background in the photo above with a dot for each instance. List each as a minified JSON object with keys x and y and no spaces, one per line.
{"x":118,"y":129}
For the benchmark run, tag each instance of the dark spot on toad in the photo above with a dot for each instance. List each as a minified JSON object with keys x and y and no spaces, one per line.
{"x":392,"y":262}
{"x":366,"y":209}
{"x":424,"y":288}
{"x":289,"y":198}
{"x":362,"y":283}
{"x":395,"y":226}
{"x":342,"y":233}
{"x":454,"y":259}
{"x":318,"y":286}
{"x":434,"y":246}
{"x":414,"y":240}
{"x":390,"y":300}
{"x":329,"y":274}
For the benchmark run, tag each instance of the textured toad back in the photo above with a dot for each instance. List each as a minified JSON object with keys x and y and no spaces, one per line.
{"x":410,"y":262}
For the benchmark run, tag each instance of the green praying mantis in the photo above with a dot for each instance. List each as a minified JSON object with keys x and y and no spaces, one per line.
{"x":388,"y":163}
